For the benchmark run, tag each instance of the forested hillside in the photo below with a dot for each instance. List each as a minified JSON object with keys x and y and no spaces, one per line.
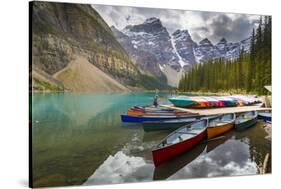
{"x":248,"y":73}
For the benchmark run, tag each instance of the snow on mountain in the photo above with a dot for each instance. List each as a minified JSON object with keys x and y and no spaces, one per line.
{"x":226,"y":50}
{"x":181,"y":62}
{"x":245,"y":44}
{"x":152,"y":36}
{"x":221,"y":46}
{"x":184,"y":45}
{"x":146,"y":61}
{"x":205,"y":51}
{"x":178,"y":50}
{"x":151,"y":20}
{"x":155,"y":50}
{"x":233,"y":51}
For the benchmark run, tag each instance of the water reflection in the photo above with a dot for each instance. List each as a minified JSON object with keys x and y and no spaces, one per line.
{"x":169,"y":168}
{"x":225,"y":157}
{"x":231,"y":158}
{"x":131,"y":125}
{"x":78,"y":138}
{"x":255,"y":138}
{"x":75,"y":133}
{"x":121,"y":168}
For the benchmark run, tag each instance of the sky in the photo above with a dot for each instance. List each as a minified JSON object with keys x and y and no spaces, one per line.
{"x":211,"y":25}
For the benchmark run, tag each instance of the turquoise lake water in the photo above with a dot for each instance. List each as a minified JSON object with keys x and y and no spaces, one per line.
{"x":78,"y":139}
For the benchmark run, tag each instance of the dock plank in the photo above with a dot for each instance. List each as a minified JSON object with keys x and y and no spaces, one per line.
{"x":213,"y":111}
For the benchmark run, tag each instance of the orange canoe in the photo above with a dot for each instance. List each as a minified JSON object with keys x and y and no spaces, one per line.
{"x":220,"y":125}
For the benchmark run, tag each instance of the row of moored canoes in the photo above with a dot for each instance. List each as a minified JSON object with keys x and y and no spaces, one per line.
{"x":213,"y":101}
{"x":189,"y":129}
{"x":187,"y":136}
{"x":139,"y":114}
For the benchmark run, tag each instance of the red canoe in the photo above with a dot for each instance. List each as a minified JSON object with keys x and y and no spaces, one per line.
{"x":180,"y":141}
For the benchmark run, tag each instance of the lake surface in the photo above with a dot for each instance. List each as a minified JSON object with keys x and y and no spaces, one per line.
{"x":78,"y":139}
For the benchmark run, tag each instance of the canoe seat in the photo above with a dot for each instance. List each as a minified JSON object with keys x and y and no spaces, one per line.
{"x":182,"y":132}
{"x":184,"y":137}
{"x":248,"y":117}
{"x":218,"y":123}
{"x":225,"y":121}
{"x":239,"y":121}
{"x":178,"y":137}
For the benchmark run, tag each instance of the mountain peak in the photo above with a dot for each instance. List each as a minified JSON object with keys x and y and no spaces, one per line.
{"x":222,"y":41}
{"x":181,"y":32}
{"x":205,"y":41}
{"x":150,"y":25}
{"x":152,"y":20}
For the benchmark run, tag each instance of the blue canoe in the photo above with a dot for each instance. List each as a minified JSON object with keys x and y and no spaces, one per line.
{"x":246,"y":120}
{"x":140,"y":119}
{"x":266,"y":116}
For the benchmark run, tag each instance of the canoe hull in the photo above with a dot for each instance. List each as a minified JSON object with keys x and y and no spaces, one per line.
{"x":164,"y":154}
{"x":212,"y":101}
{"x":155,"y":113}
{"x":264,"y":117}
{"x":150,"y":126}
{"x":218,"y":130}
{"x":245,"y":125}
{"x":182,"y":102}
{"x":139,"y":113}
{"x":140,"y":119}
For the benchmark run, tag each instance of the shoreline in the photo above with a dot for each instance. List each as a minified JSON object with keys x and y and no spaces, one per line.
{"x":151,"y":91}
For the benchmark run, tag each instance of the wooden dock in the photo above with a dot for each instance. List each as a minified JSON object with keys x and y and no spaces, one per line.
{"x":214,"y":111}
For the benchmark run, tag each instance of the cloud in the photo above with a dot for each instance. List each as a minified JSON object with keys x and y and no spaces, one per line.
{"x":213,"y":25}
{"x":231,"y":158}
{"x":121,"y":168}
{"x":232,"y":27}
{"x":219,"y":158}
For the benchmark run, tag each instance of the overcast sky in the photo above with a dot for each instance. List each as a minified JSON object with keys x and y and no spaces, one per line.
{"x":214,"y":26}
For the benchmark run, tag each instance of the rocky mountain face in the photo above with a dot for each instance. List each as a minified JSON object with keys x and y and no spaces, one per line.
{"x":205,"y":50}
{"x":151,"y":36}
{"x":184,"y":46}
{"x":245,"y":44}
{"x":154,"y":49}
{"x":63,"y":31}
{"x":177,"y":49}
{"x":145,"y":61}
